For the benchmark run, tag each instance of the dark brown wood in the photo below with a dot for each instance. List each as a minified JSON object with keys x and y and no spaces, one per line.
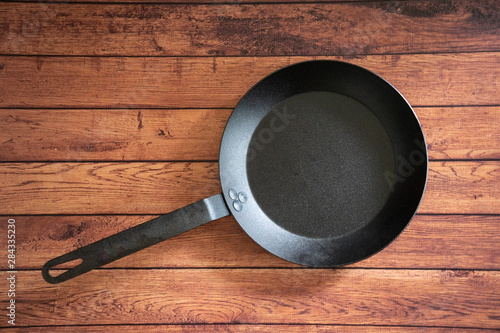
{"x":159,"y":187}
{"x":263,"y":29}
{"x":428,"y":242}
{"x":195,"y":134}
{"x":75,"y":82}
{"x":343,"y":296}
{"x":229,"y":328}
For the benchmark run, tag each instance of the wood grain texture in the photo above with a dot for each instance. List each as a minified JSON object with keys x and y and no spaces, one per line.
{"x":262,"y":29}
{"x":430,"y":242}
{"x":114,"y":108}
{"x":229,"y":328}
{"x":312,"y":296}
{"x":454,"y":187}
{"x":461,"y":186}
{"x":109,"y":186}
{"x":219,"y":82}
{"x":89,"y":134}
{"x":195,"y":134}
{"x":461,"y":133}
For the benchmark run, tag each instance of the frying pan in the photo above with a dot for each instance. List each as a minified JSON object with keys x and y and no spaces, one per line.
{"x":322,"y":163}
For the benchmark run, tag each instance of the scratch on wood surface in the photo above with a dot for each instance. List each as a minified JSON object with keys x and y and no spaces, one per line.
{"x":98,"y":146}
{"x":178,"y":67}
{"x":139,"y":119}
{"x":39,"y":63}
{"x":156,"y":46}
{"x":165,"y":133}
{"x":72,"y":231}
{"x":56,"y":299}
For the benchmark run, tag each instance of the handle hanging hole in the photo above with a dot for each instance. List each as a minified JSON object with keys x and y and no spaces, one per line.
{"x":64,"y":267}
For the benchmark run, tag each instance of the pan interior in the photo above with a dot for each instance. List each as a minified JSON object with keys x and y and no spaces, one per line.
{"x":316,"y":164}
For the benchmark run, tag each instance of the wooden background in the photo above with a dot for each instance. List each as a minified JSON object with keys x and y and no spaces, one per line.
{"x":112,"y":113}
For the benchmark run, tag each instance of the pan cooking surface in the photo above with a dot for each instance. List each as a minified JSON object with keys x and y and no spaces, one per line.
{"x":316,"y":164}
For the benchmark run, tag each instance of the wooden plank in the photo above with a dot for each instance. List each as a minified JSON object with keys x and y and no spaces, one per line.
{"x":446,"y":131}
{"x":109,"y":186}
{"x":454,"y":187}
{"x":282,"y":296}
{"x":428,"y":242}
{"x":144,"y":134}
{"x":195,"y":134}
{"x":229,"y":328}
{"x":462,"y":187}
{"x":95,"y":82}
{"x":262,"y":29}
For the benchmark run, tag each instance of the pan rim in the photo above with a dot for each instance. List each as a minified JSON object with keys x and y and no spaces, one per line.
{"x":250,"y":216}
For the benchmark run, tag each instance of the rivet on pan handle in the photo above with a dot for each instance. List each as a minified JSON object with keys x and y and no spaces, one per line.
{"x":137,"y":238}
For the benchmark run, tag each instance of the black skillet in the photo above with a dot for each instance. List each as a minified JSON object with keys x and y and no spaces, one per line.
{"x":322,"y":163}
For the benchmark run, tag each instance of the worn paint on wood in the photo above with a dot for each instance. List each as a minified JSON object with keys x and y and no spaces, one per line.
{"x":219,"y":82}
{"x":346,"y":29}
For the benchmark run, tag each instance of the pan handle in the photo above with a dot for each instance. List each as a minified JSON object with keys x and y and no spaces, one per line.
{"x":137,"y":238}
